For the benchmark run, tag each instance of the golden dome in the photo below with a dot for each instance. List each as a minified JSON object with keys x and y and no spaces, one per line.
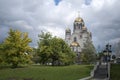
{"x":75,"y":44}
{"x":78,"y":19}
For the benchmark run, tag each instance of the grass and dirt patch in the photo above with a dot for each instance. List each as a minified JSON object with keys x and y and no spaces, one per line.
{"x":73,"y":72}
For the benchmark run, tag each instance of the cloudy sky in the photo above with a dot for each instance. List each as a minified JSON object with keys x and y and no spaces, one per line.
{"x":101,"y":17}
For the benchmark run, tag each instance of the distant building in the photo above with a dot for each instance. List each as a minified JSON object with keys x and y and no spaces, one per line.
{"x":80,"y":35}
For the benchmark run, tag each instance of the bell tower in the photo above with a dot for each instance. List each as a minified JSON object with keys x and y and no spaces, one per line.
{"x":78,"y":24}
{"x":67,"y":35}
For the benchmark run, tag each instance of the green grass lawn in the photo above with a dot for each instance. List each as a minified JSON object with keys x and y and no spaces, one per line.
{"x":73,"y":72}
{"x":115,"y":72}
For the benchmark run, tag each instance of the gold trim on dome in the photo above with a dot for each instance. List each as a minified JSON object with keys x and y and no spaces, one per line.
{"x":78,"y":19}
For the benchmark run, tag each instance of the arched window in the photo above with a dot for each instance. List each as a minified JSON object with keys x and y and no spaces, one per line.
{"x":78,"y":26}
{"x":75,"y":39}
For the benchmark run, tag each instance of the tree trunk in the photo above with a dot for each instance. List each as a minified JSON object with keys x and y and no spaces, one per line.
{"x":53,"y":62}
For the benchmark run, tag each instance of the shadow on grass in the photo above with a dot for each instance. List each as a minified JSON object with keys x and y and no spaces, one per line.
{"x":16,"y":78}
{"x":10,"y":67}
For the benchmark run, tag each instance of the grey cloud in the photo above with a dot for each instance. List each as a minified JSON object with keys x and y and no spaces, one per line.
{"x":32,"y":16}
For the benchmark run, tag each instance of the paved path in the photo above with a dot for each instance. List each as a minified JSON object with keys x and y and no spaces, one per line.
{"x":101,"y":72}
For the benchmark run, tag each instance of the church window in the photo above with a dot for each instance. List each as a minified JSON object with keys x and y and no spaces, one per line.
{"x":80,"y":26}
{"x":75,"y":25}
{"x":75,"y":39}
{"x":75,"y":49}
{"x":80,"y":36}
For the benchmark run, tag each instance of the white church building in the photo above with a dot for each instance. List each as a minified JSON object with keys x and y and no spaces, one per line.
{"x":77,"y":39}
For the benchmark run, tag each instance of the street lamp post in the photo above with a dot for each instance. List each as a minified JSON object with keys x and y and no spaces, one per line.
{"x":107,"y":58}
{"x":107,"y":53}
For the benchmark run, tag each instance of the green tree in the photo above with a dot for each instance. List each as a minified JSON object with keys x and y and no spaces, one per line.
{"x":44,"y":47}
{"x":35,"y":57}
{"x":16,"y":48}
{"x":1,"y":53}
{"x":88,"y":53}
{"x":54,"y":50}
{"x":66,"y":55}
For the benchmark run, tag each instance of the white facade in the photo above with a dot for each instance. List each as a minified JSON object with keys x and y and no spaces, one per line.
{"x":80,"y":35}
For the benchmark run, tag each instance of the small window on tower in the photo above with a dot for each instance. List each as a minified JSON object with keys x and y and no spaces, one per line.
{"x":78,"y":26}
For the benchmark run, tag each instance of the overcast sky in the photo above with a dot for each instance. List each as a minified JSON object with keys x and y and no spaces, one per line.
{"x":101,"y":17}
